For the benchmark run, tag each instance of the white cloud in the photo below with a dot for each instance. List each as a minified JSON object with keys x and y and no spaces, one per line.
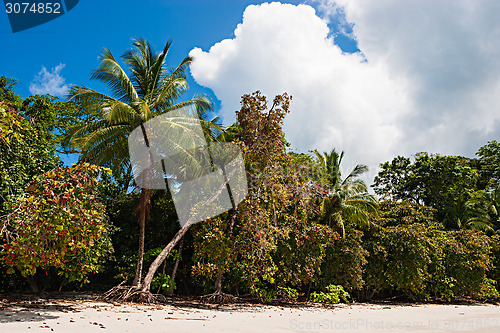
{"x":427,"y":79}
{"x":448,"y":51}
{"x":49,"y":82}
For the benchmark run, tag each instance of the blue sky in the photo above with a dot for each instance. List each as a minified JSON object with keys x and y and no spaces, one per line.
{"x":78,"y":37}
{"x":374,"y":78}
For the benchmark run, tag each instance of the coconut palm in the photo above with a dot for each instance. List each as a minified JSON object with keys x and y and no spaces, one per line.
{"x":150,"y":89}
{"x":347,"y":200}
{"x":484,"y":211}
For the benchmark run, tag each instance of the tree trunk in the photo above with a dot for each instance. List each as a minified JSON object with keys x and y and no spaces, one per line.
{"x":143,"y":212}
{"x":176,"y":265}
{"x":146,"y":285}
{"x":218,"y":284}
{"x":32,"y":284}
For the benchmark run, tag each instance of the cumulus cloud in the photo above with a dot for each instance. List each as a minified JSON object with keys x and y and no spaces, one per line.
{"x":426,"y":78}
{"x":49,"y":82}
{"x":448,"y":52}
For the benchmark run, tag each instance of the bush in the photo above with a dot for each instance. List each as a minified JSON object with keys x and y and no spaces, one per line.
{"x":265,"y":295}
{"x":494,"y":273}
{"x":60,"y":223}
{"x":162,"y":281}
{"x":489,"y":290}
{"x":466,"y":259}
{"x":344,"y":262}
{"x":287,"y":294}
{"x":307,"y":245}
{"x":411,"y":255}
{"x":399,"y":259}
{"x":334,"y":294}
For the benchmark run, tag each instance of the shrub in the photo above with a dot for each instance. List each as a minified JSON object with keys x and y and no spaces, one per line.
{"x":399,"y":259}
{"x":288,"y":294}
{"x":489,"y":290}
{"x":265,"y":295}
{"x":460,"y":260}
{"x":162,"y":281}
{"x":494,"y":273}
{"x":334,"y":294}
{"x":467,"y":260}
{"x":344,"y":262}
{"x":412,"y":255}
{"x":307,"y":245}
{"x":60,"y":223}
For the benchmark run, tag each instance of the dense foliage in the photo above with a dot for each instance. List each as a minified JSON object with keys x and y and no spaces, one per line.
{"x":25,"y":151}
{"x":304,"y":230}
{"x":275,"y":222}
{"x":59,"y":222}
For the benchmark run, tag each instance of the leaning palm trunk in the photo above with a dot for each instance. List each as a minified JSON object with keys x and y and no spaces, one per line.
{"x":146,"y":285}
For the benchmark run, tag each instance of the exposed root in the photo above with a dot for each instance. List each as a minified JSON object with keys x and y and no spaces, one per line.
{"x":219,"y":297}
{"x":131,"y":294}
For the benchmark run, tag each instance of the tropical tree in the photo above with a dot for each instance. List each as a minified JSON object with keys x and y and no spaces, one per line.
{"x":25,"y":151}
{"x":7,"y":92}
{"x":150,"y":89}
{"x":445,"y":183}
{"x":489,"y":165}
{"x":484,"y":211}
{"x":276,"y":221}
{"x":60,"y":222}
{"x":391,"y":183}
{"x":347,"y":199}
{"x":276,"y":210}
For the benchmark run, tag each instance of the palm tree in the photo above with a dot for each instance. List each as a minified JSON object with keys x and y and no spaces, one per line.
{"x":151,"y":89}
{"x":484,"y":211}
{"x":347,"y":200}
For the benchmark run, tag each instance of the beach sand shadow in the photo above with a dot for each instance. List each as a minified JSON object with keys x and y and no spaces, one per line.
{"x":31,"y":311}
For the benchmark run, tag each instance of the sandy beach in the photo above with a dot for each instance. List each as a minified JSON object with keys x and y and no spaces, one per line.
{"x":90,"y":316}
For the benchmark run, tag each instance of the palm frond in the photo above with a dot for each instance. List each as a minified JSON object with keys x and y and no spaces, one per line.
{"x":348,"y":200}
{"x":157,"y":69}
{"x":168,"y":92}
{"x":358,"y":170}
{"x":150,"y":90}
{"x":113,"y":75}
{"x":479,"y":224}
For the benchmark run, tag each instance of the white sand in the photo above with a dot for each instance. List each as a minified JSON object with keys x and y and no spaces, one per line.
{"x":87,"y":316}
